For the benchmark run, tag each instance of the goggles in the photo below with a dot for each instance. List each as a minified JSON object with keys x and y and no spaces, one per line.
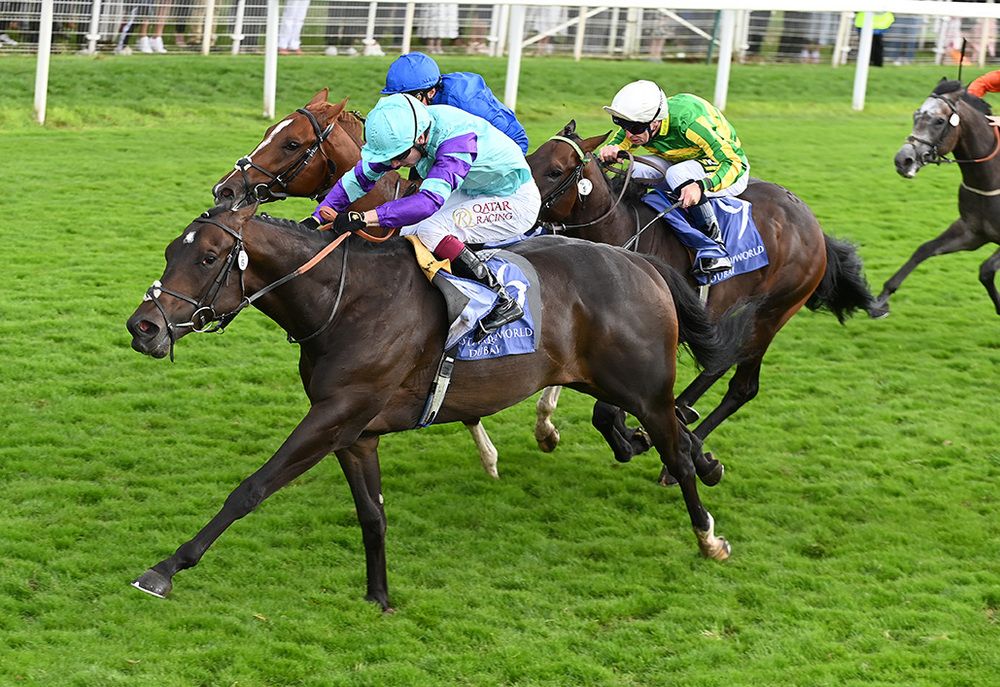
{"x":635,"y":128}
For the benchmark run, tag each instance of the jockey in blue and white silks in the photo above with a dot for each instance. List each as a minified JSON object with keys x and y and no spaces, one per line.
{"x":476,"y":188}
{"x":418,"y":75}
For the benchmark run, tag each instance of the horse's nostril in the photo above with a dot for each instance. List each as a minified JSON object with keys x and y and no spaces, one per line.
{"x":226,"y":192}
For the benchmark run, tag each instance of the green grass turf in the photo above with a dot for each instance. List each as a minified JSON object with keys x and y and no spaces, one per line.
{"x":860,"y":494}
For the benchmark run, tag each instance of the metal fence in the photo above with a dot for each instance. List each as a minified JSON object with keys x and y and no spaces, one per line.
{"x":363,"y":28}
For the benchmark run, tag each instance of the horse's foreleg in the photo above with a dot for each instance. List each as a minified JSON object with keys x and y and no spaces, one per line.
{"x":361,"y":468}
{"x":546,"y":433}
{"x":665,"y":432}
{"x":687,"y":398}
{"x":304,"y":447}
{"x":955,"y":238}
{"x":987,"y":275}
{"x":487,"y":451}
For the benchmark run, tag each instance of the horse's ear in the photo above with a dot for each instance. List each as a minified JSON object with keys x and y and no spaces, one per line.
{"x":321,"y":96}
{"x":589,"y":145}
{"x":246,"y":212}
{"x":569,"y":129}
{"x":339,"y":107}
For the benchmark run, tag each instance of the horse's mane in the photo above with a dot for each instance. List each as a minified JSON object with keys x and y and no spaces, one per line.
{"x":391,"y":247}
{"x":354,"y":123}
{"x":951,"y":85}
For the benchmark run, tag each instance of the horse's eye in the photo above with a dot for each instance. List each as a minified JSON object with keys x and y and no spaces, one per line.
{"x":554,"y":174}
{"x":293,"y":145}
{"x":209,"y":259}
{"x":939,"y":121}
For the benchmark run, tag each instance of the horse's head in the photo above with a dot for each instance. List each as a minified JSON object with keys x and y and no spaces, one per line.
{"x":937,"y":127}
{"x":300,"y":156}
{"x":202,"y":286}
{"x":562,"y":173}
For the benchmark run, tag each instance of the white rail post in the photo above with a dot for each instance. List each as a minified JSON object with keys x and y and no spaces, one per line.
{"x":208,"y":27}
{"x":581,"y":30}
{"x":408,"y":27}
{"x":613,"y":32}
{"x":985,"y":36}
{"x":493,"y":39}
{"x":94,"y":34}
{"x":726,"y":32}
{"x":503,"y":29}
{"x":271,"y":58}
{"x":44,"y":52}
{"x":237,"y":35}
{"x":516,"y":40}
{"x":864,"y":56}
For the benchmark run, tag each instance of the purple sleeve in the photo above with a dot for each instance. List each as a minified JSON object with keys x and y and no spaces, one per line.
{"x":350,"y":187}
{"x":409,"y":210}
{"x":447,"y":174}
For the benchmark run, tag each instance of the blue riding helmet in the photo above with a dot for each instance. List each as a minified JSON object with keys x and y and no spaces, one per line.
{"x":413,"y":71}
{"x":392,"y":127}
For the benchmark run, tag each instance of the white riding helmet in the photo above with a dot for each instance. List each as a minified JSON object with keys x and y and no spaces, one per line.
{"x":639,"y":101}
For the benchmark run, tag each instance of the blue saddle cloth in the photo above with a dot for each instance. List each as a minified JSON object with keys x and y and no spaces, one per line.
{"x":473,"y":301}
{"x":743,"y":243}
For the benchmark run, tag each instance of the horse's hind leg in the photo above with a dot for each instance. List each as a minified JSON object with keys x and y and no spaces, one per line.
{"x":987,"y":274}
{"x":665,"y":431}
{"x":364,"y":476}
{"x":955,"y":238}
{"x":487,"y":451}
{"x":546,"y":433}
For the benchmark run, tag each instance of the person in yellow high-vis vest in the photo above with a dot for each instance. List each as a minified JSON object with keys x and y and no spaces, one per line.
{"x":881,"y":21}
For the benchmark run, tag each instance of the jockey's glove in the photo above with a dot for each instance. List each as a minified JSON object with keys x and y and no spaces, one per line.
{"x":311,"y":222}
{"x":349,"y":221}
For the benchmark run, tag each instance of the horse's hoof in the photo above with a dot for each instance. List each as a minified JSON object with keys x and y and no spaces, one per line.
{"x":548,"y":443}
{"x":720,"y":553}
{"x":687,"y":414}
{"x":666,"y":479}
{"x":380,"y":601}
{"x":640,"y":441}
{"x":154,"y":583}
{"x":713,"y":476}
{"x":879,"y":310}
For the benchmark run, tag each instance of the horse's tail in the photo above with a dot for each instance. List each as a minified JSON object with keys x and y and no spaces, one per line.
{"x":843,"y":288}
{"x":716,"y":343}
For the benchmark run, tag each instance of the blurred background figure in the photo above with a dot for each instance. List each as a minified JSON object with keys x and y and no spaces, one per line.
{"x":345,"y":26}
{"x":881,"y":21}
{"x":659,"y":28}
{"x":438,"y":22}
{"x":756,"y":34}
{"x":290,"y":32}
{"x":902,"y":49}
{"x":541,"y":19}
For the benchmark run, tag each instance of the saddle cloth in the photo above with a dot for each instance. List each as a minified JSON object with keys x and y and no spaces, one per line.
{"x":739,"y":233}
{"x":469,"y":301}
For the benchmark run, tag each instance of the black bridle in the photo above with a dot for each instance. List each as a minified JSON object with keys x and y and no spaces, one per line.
{"x":263,"y":193}
{"x":572,"y":180}
{"x":933,"y":156}
{"x":205,"y":320}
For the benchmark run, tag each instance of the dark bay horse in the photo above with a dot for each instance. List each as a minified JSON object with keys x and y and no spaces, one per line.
{"x":952,"y":121}
{"x":807,"y":267}
{"x":369,"y":353}
{"x":301,"y":156}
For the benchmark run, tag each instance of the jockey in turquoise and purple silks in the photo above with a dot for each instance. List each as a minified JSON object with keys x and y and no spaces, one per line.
{"x":476,"y":187}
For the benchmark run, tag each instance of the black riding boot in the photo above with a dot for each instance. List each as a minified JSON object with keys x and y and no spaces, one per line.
{"x":704,"y":220}
{"x":506,"y":310}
